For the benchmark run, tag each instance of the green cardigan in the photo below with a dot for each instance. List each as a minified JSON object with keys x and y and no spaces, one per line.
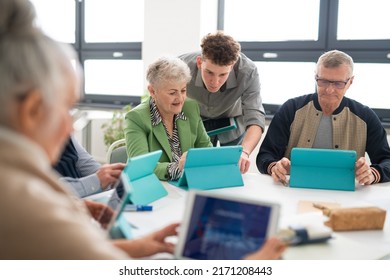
{"x":142,"y":137}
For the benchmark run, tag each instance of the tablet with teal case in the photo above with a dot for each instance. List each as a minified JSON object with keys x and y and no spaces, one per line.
{"x":111,"y":218}
{"x":217,"y":126}
{"x":145,"y":186}
{"x":323,"y":169}
{"x":211,"y":168}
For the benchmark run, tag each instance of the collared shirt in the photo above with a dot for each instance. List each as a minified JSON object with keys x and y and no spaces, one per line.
{"x":239,"y":97}
{"x":174,"y":142}
{"x":88,"y":182}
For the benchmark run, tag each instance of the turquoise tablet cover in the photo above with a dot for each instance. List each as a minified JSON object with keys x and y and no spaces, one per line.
{"x":119,"y":228}
{"x":323,"y":169}
{"x":145,"y":186}
{"x":211,"y":168}
{"x":232,"y":125}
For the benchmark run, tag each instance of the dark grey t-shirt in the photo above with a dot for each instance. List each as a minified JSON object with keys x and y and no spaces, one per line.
{"x":324,"y":134}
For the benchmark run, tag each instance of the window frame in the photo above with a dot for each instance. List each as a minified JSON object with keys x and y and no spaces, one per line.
{"x":101,"y":51}
{"x":289,"y":45}
{"x":369,"y":51}
{"x":352,"y":45}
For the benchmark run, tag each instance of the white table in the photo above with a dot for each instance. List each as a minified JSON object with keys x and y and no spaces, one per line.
{"x":344,"y":245}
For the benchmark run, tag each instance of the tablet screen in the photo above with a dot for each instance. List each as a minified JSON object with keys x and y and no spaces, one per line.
{"x":115,"y":204}
{"x":213,"y":124}
{"x":225,"y":229}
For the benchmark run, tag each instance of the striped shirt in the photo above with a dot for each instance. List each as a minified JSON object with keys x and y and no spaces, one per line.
{"x":174,"y":142}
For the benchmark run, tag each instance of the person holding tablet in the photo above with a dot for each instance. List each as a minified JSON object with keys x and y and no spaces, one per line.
{"x":328,"y":120}
{"x":166,"y":120}
{"x":226,"y":85}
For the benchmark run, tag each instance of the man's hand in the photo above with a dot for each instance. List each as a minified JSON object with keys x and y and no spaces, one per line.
{"x":109,"y":173}
{"x":244,"y":162}
{"x":249,"y":142}
{"x":280,"y":170}
{"x":100,"y":212}
{"x":363,"y":172}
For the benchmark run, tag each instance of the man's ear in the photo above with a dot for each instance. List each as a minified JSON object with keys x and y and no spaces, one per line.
{"x":31,"y":112}
{"x":351,"y":80}
{"x":199,"y":61}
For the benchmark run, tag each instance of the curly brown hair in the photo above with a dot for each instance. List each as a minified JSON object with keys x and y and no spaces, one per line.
{"x":221,"y":49}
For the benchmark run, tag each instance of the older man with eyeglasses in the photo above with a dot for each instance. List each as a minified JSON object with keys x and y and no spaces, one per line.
{"x":328,"y":120}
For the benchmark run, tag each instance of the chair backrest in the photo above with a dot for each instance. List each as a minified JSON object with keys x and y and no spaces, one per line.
{"x":117,"y":152}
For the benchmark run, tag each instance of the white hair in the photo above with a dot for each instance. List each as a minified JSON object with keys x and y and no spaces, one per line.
{"x":168,"y":69}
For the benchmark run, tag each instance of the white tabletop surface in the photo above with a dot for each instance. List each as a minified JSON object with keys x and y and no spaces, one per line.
{"x":373,"y":244}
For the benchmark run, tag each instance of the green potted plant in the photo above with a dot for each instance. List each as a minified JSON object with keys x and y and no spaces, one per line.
{"x":113,"y":129}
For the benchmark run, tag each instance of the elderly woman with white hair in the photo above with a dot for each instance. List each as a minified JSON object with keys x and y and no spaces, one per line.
{"x":166,"y":120}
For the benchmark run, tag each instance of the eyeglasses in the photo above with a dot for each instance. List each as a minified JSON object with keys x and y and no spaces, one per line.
{"x":325,"y":83}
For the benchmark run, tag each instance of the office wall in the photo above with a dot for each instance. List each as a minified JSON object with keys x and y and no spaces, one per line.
{"x":173,"y":27}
